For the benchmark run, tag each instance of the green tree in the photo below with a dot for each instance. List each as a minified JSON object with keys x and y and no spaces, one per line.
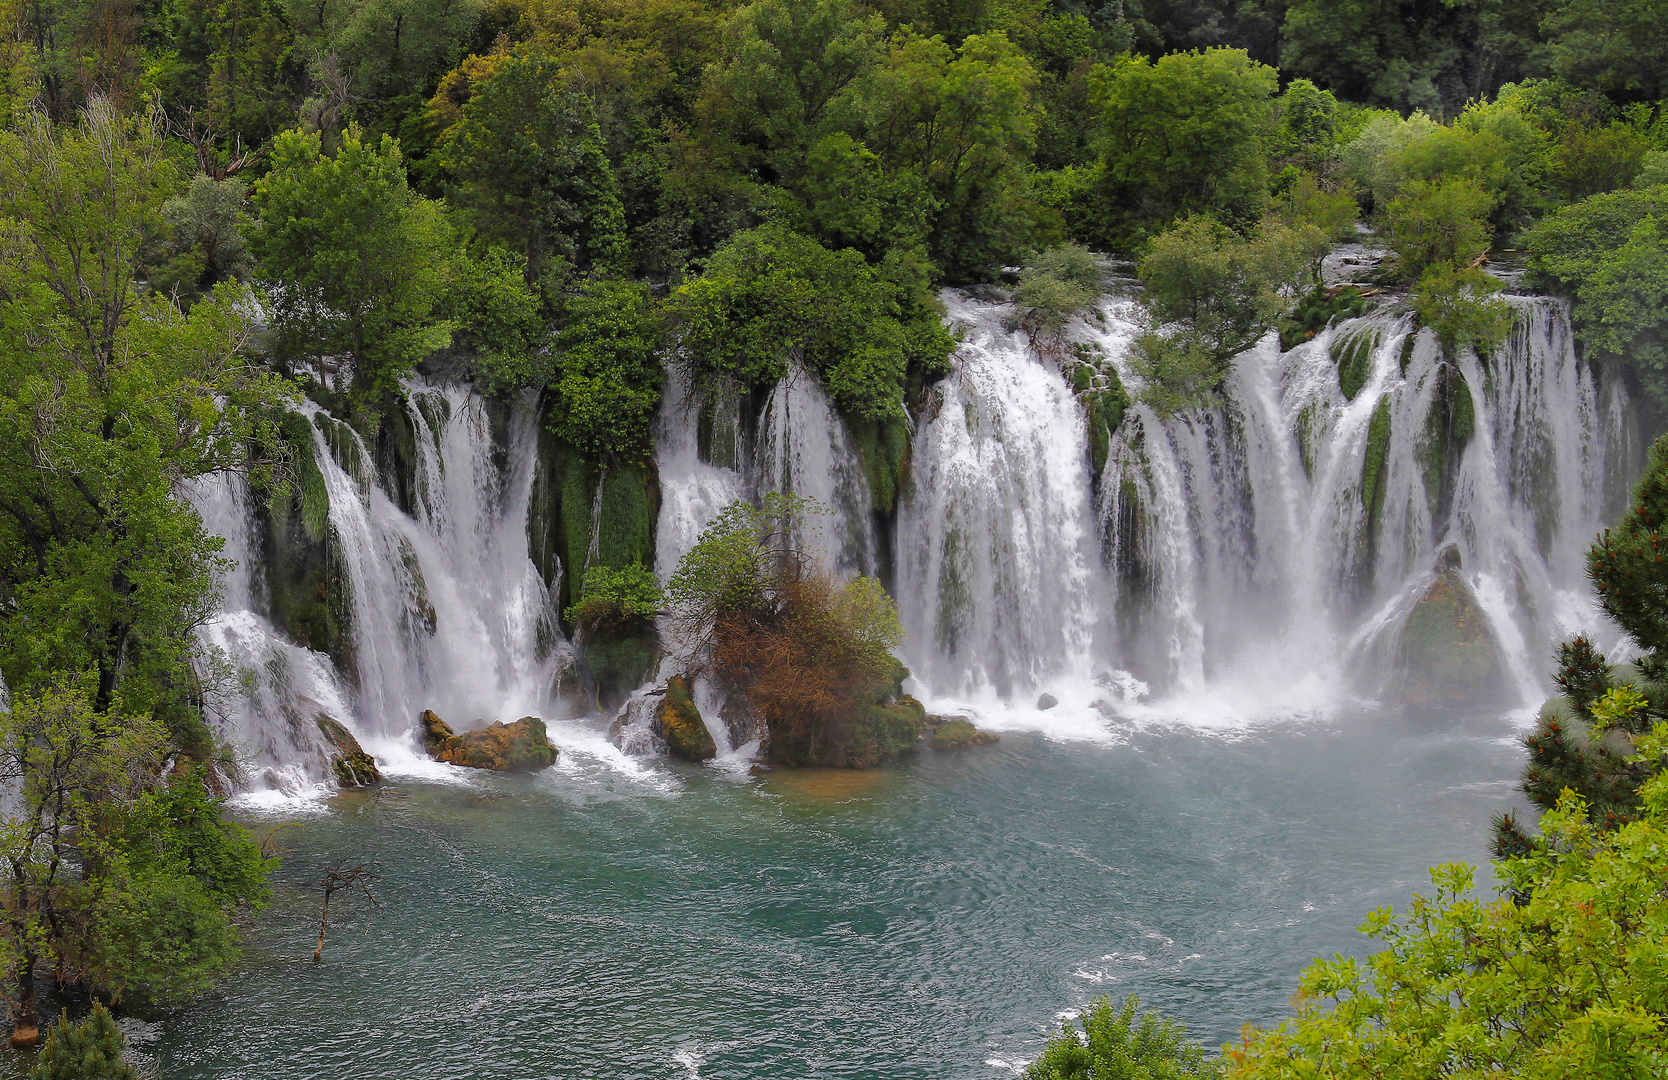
{"x":110,"y":400}
{"x":1184,"y":135}
{"x":1055,"y":286}
{"x":771,"y":296}
{"x":533,"y":171}
{"x":1562,"y":978}
{"x":785,"y":63}
{"x":1413,"y":54}
{"x":1610,"y":254}
{"x":1121,"y":1043}
{"x":1462,"y":307}
{"x":616,"y":600}
{"x":353,"y":257}
{"x":205,"y":243}
{"x":1441,"y":221}
{"x":1227,"y":290}
{"x":963,"y":121}
{"x":89,"y":1049}
{"x":1619,"y":49}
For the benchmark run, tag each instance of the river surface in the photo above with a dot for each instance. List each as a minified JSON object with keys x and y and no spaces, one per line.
{"x":932,"y":920}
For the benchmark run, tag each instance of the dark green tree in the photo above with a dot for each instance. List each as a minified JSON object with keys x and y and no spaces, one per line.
{"x":355,"y":260}
{"x":88,"y":1049}
{"x":1184,"y":135}
{"x":532,"y":169}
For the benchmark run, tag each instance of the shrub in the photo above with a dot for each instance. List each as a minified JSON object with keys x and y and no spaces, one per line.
{"x":89,"y":1049}
{"x":1057,"y":285}
{"x":1118,"y":1043}
{"x":612,"y":600}
{"x":811,"y":654}
{"x":1436,"y":221}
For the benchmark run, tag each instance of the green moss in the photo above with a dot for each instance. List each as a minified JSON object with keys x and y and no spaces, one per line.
{"x":304,"y":596}
{"x":1306,"y":437}
{"x":681,"y":725}
{"x":718,"y":426}
{"x":884,"y":447}
{"x":1448,"y":655}
{"x":1353,"y":354}
{"x":886,"y":732}
{"x":629,"y":506}
{"x":522,"y":746}
{"x":1101,"y":393}
{"x":620,"y":664}
{"x":396,"y":453}
{"x":1373,"y":463}
{"x":1447,"y":430}
{"x":958,"y":733}
{"x":1407,"y":350}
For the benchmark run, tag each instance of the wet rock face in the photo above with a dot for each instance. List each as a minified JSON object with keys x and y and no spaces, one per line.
{"x":1447,"y":654}
{"x":680,"y":723}
{"x":522,"y":746}
{"x":349,"y":762}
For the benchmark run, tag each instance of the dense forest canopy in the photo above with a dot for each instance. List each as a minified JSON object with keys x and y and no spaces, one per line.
{"x":210,"y":208}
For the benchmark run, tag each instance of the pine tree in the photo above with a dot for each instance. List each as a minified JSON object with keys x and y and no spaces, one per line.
{"x":88,"y":1050}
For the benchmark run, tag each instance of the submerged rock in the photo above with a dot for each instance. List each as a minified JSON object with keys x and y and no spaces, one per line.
{"x":1447,"y":654}
{"x":681,"y":725}
{"x":958,"y":732}
{"x":519,"y":747}
{"x":352,"y":766}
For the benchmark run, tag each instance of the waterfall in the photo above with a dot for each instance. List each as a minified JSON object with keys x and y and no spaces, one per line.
{"x":998,"y":577}
{"x":1265,"y":555}
{"x":268,"y":715}
{"x":1272,"y":549}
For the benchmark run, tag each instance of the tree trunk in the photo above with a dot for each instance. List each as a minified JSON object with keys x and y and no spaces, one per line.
{"x":324,"y":917}
{"x":26,"y":1020}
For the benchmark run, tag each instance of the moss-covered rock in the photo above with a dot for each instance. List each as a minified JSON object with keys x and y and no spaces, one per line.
{"x":886,"y":732}
{"x":1374,"y":464}
{"x":1447,"y":654}
{"x":522,"y":746}
{"x":395,"y":448}
{"x":679,"y":722}
{"x":349,"y":762}
{"x":306,"y":597}
{"x":884,"y":447}
{"x":583,"y":512}
{"x":1353,"y":353}
{"x":1447,"y":431}
{"x":619,"y":663}
{"x":957,"y":733}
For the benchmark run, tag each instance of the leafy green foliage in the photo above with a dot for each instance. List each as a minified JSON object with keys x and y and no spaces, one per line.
{"x":206,"y":244}
{"x":1441,"y":221}
{"x":1462,"y":307}
{"x":772,"y":296}
{"x":1185,"y":135}
{"x":109,"y":401}
{"x":532,"y":168}
{"x":1178,"y":371}
{"x":88,"y":1049}
{"x":1227,"y":290}
{"x":1054,"y":287}
{"x":613,"y":599}
{"x":1120,"y":1043}
{"x":354,"y":257}
{"x":1562,"y":979}
{"x":606,"y":387}
{"x":1609,"y":253}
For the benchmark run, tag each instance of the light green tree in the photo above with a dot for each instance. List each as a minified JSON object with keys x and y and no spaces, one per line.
{"x":1119,"y":1042}
{"x":1568,"y":981}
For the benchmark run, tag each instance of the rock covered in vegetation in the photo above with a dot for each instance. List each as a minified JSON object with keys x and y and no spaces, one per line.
{"x":1447,"y":654}
{"x":351,"y":765}
{"x":680,"y":723}
{"x":956,"y":733}
{"x":519,"y":747}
